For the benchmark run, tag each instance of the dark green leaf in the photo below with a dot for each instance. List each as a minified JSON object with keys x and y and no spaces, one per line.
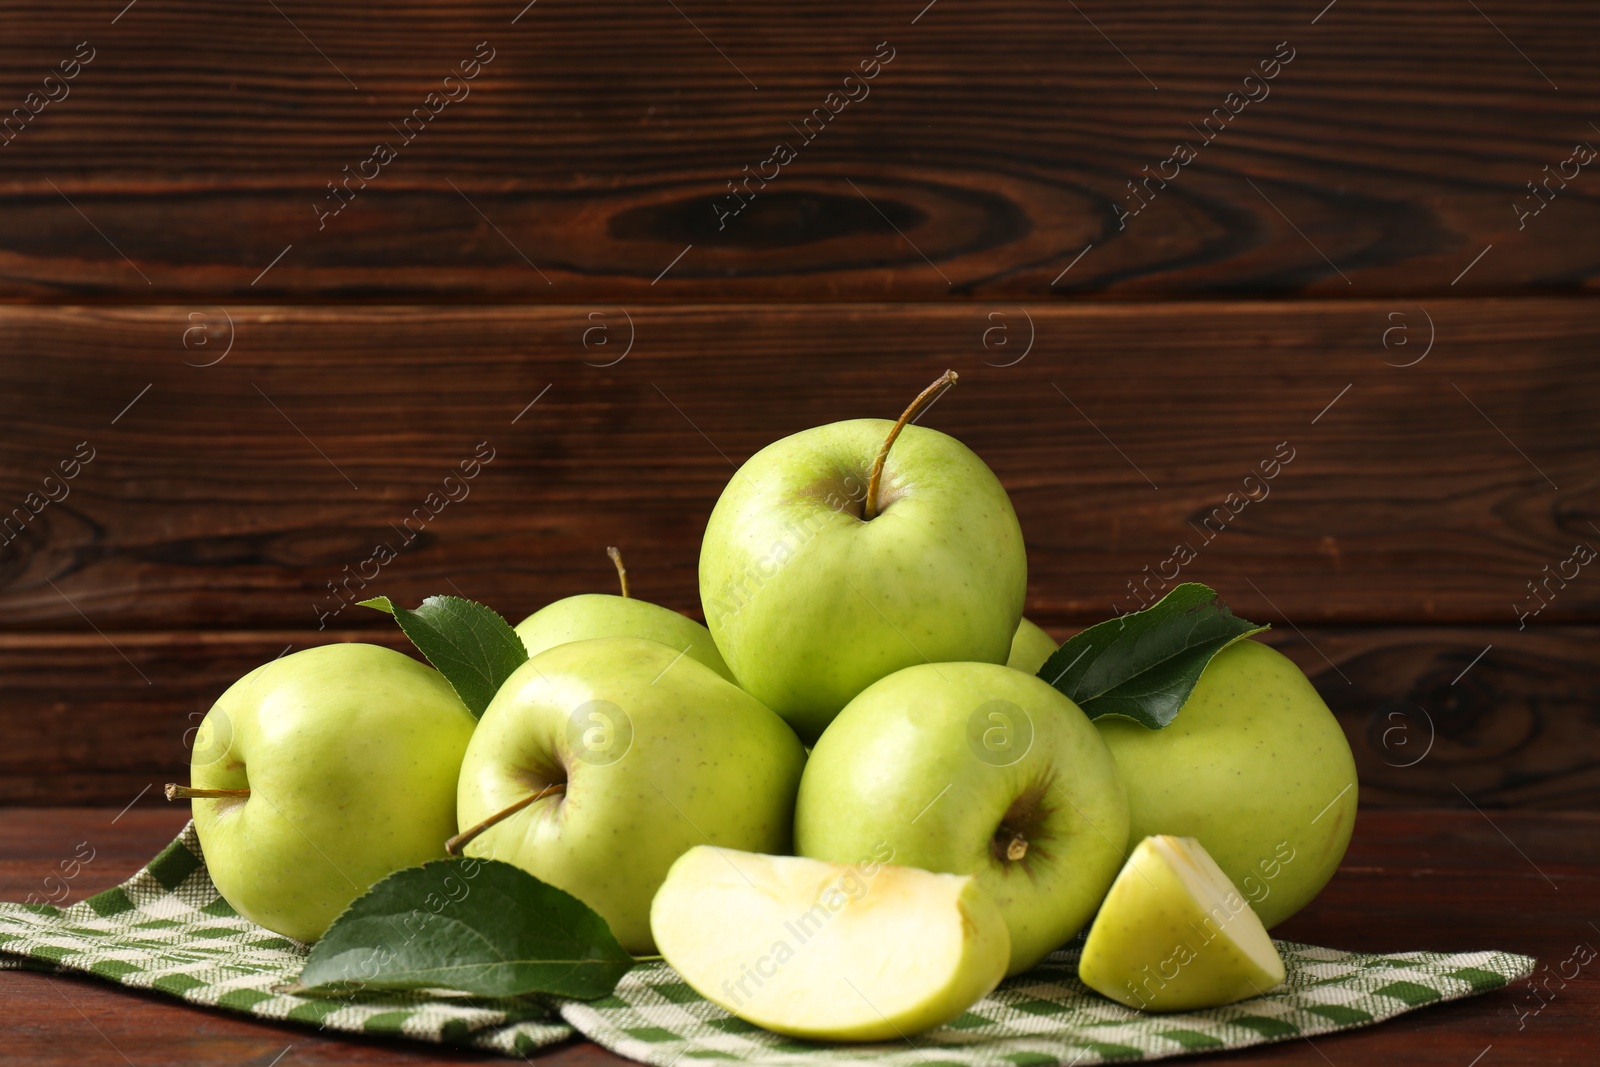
{"x":1145,"y":664}
{"x":474,"y":648}
{"x":478,"y":926}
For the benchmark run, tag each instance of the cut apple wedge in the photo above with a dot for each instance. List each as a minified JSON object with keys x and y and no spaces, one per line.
{"x":828,"y":951}
{"x":1175,"y":934}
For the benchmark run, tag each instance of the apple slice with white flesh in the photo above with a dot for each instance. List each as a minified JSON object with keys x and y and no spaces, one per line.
{"x":829,"y":951}
{"x":1175,"y":934}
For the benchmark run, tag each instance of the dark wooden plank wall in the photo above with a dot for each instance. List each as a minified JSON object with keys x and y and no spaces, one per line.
{"x":998,"y":141}
{"x":1350,"y":271}
{"x":230,"y":495}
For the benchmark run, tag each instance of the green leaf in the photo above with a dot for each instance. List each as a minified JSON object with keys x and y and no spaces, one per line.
{"x":477,"y":926}
{"x":1144,"y":665}
{"x":473,"y":647}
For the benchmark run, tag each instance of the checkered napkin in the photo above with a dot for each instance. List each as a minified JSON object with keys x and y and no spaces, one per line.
{"x":169,"y":930}
{"x":1046,"y":1017}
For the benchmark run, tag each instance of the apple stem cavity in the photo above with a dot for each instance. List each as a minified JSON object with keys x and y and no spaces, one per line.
{"x":922,"y":403}
{"x":175,"y":791}
{"x":622,"y":572}
{"x":1016,"y":848}
{"x":454,"y":846}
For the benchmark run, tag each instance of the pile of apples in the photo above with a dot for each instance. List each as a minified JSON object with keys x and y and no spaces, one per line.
{"x":847,"y":807}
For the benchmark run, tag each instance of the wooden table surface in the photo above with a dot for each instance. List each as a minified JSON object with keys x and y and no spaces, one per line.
{"x":1449,"y":880}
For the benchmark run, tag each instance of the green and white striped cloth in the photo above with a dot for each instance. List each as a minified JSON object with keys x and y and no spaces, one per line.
{"x":169,"y":930}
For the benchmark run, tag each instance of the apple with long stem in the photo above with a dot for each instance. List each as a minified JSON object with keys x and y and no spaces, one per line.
{"x":578,"y":618}
{"x":320,"y":773}
{"x":840,"y":554}
{"x":600,"y":762}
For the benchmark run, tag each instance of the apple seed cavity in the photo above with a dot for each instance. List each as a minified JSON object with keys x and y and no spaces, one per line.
{"x":1021,"y":827}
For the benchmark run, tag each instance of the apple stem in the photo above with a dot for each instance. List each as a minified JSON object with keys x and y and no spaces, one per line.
{"x":622,"y":572}
{"x":175,"y":791}
{"x":1017,"y":848}
{"x":922,"y":403}
{"x":460,"y":841}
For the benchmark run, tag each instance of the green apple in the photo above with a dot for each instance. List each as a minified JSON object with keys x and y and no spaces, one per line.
{"x":826,"y":951}
{"x":337,"y":767}
{"x":973,"y":768}
{"x":588,"y":615}
{"x":644,"y":752}
{"x":1030,"y":648}
{"x":1256,"y":767}
{"x":815,"y":588}
{"x":1174,"y":934}
{"x":578,"y":618}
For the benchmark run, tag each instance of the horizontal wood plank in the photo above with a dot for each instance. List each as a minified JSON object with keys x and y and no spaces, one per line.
{"x":193,"y":150}
{"x":1463,"y":716}
{"x":1436,"y":717}
{"x":1451,"y":881}
{"x":254,"y":492}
